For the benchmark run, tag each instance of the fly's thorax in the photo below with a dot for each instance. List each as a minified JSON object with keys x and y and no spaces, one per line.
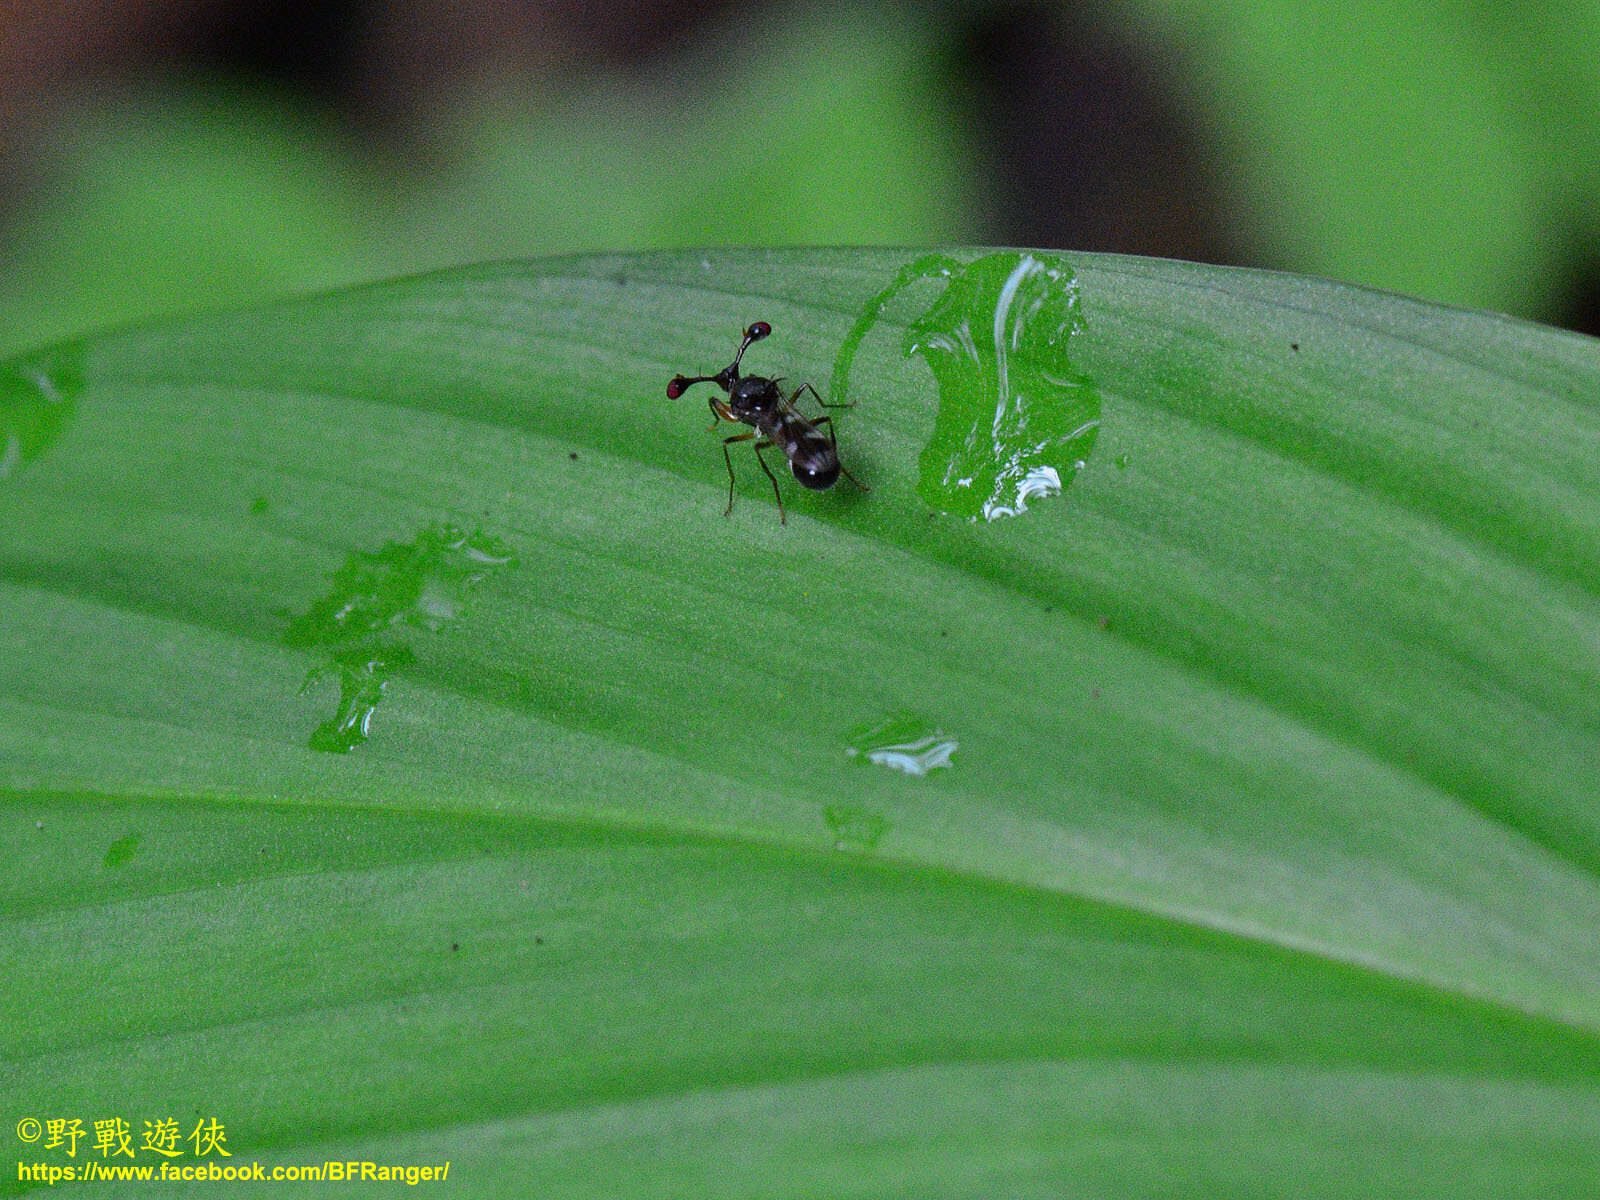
{"x":754,"y":397}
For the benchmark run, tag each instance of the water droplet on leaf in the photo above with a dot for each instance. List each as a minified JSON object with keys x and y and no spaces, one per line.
{"x":902,"y":742}
{"x":854,"y":828}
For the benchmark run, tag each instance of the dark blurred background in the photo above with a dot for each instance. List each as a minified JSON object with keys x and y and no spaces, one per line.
{"x":167,"y":155}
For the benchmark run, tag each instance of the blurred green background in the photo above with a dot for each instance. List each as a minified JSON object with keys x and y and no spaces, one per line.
{"x":161,"y":156}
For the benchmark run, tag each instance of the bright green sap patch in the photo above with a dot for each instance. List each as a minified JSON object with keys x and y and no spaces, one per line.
{"x":120,"y":851}
{"x":37,"y":396}
{"x":1016,"y":422}
{"x":375,"y":598}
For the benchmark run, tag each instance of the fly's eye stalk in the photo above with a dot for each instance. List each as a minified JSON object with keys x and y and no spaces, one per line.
{"x":682,"y":383}
{"x":758,"y":331}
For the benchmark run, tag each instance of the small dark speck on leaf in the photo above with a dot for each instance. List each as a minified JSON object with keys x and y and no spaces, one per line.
{"x":455,"y":945}
{"x":1295,"y":346}
{"x":573,"y":456}
{"x":538,"y":941}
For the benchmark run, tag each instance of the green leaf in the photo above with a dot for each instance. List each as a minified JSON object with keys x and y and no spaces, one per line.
{"x":1224,"y":824}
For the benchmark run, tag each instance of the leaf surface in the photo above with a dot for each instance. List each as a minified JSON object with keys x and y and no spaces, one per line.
{"x":1264,"y":857}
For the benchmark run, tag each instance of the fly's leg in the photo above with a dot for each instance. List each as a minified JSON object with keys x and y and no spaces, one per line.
{"x":719,"y":412}
{"x":783,"y":518}
{"x":727,"y":458}
{"x":817,"y":396}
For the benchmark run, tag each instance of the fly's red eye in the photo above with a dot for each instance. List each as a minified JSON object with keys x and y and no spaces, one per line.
{"x":675,"y":388}
{"x":759,"y":330}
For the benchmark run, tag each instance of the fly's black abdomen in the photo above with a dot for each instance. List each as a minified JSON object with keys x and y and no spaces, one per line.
{"x":811,"y":455}
{"x":813,"y":460}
